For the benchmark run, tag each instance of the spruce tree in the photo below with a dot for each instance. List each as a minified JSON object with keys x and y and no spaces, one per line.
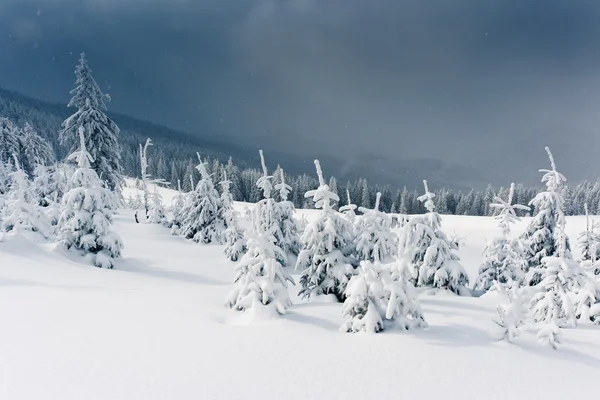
{"x":511,"y":315}
{"x":430,"y":252}
{"x":201,"y":220}
{"x":504,"y":259}
{"x":260,"y":284}
{"x":21,"y":211}
{"x":177,"y":208}
{"x":235,"y":243}
{"x":541,"y":236}
{"x":379,"y":297}
{"x":289,"y":241}
{"x":349,"y":209}
{"x":100,"y":131}
{"x":10,"y":144}
{"x":589,"y":240}
{"x":562,"y":285}
{"x":87,"y":213}
{"x":375,"y":240}
{"x":327,"y":256}
{"x":35,"y":150}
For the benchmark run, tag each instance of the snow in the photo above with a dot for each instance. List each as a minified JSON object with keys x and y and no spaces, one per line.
{"x":156,"y":327}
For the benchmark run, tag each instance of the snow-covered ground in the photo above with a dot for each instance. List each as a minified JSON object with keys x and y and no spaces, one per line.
{"x":155,"y":328}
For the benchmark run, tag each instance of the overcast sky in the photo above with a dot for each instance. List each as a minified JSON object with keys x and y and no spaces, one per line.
{"x":480,"y":84}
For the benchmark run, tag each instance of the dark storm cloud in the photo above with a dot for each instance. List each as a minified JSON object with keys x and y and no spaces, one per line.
{"x":481,"y":84}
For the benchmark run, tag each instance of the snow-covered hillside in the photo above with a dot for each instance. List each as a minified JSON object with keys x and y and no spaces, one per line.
{"x":155,"y":328}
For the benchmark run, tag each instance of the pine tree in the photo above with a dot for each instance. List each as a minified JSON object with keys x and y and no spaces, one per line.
{"x":429,"y":250}
{"x":378,"y":297}
{"x":541,"y":235}
{"x":87,"y":213}
{"x":349,"y":208}
{"x":260,"y":284}
{"x":233,"y":174}
{"x":289,"y":241}
{"x":177,"y":209}
{"x":9,"y":140}
{"x":511,"y":315}
{"x":375,"y":240}
{"x":488,"y":198}
{"x":326,"y":259}
{"x":101,"y":132}
{"x":174,"y":175}
{"x":201,"y":214}
{"x":589,"y":240}
{"x":36,"y":151}
{"x":43,"y":185}
{"x":235,"y":243}
{"x":366,"y":195}
{"x":156,"y":213}
{"x":504,"y":259}
{"x":559,"y":279}
{"x":403,"y":202}
{"x":188,"y":178}
{"x":21,"y":211}
{"x":162,"y":172}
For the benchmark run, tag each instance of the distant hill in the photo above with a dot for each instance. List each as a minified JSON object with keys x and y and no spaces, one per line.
{"x":177,"y":147}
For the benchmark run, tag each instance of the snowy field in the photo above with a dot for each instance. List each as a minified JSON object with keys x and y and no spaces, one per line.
{"x":155,"y":328}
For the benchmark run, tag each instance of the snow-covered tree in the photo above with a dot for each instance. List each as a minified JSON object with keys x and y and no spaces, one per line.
{"x":589,"y":240}
{"x":101,"y":132}
{"x":289,"y":241}
{"x":156,"y":213}
{"x":176,"y":209}
{"x":260,"y":284}
{"x":35,"y":149}
{"x":511,"y":315}
{"x":5,"y":170}
{"x":564,"y":290}
{"x":431,"y":254}
{"x":380,"y":296}
{"x":87,"y":213}
{"x":43,"y":187}
{"x":541,"y":236}
{"x":349,"y":209}
{"x":200,"y":215}
{"x":327,"y":256}
{"x":21,"y":211}
{"x":375,"y":239}
{"x":504,"y":258}
{"x":10,"y":144}
{"x":153,"y":206}
{"x":235,"y":243}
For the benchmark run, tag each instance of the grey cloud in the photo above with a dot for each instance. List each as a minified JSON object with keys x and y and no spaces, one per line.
{"x":481,"y":84}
